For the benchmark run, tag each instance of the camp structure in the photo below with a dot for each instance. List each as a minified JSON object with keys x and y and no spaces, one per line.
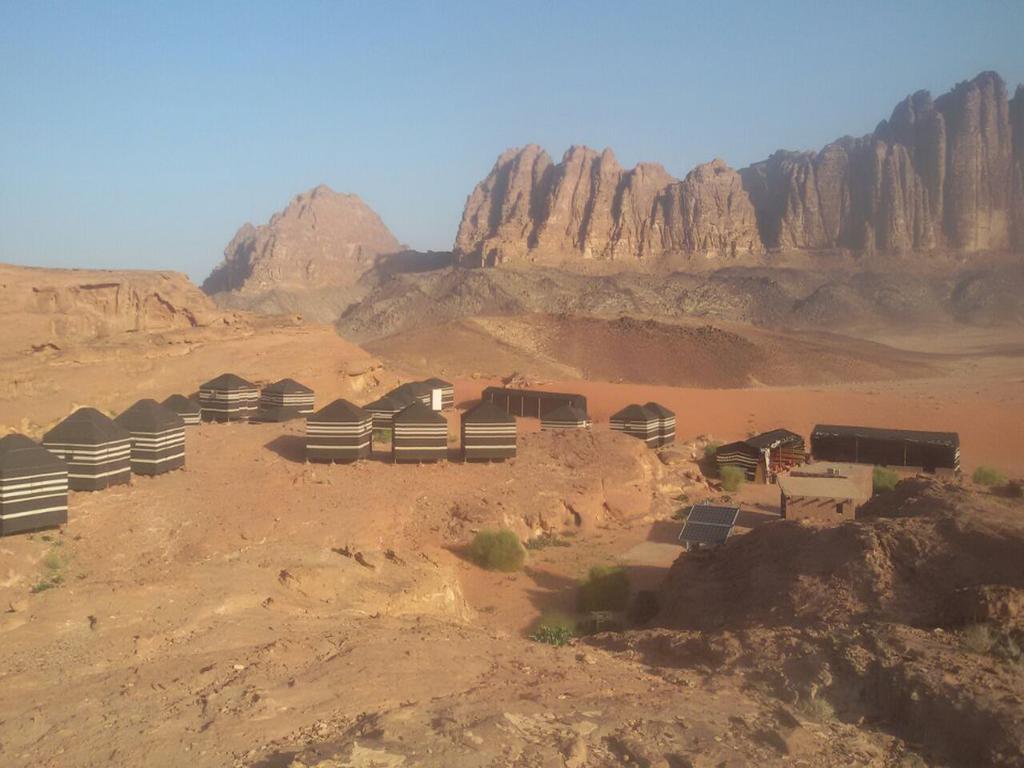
{"x":937,"y":452}
{"x":420,"y":434}
{"x":284,"y":400}
{"x":158,"y":437}
{"x":565,"y":417}
{"x":384,"y":409}
{"x":825,"y":492}
{"x":341,"y":431}
{"x":228,"y":398}
{"x":762,"y":457}
{"x":708,"y":525}
{"x":33,"y":486}
{"x":447,"y":393}
{"x":488,"y":433}
{"x":185,"y":407}
{"x":412,"y":391}
{"x":531,"y":402}
{"x":666,"y":422}
{"x":95,"y":448}
{"x":638,"y":422}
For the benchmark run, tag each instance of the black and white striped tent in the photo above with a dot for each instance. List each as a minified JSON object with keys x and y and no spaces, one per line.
{"x":447,"y":391}
{"x":565,"y":417}
{"x":411,"y":392}
{"x":185,"y":407}
{"x":95,"y":448}
{"x":638,"y":422}
{"x":384,"y":410}
{"x":341,"y":431}
{"x":158,"y":437}
{"x":33,"y":486}
{"x":420,"y":434}
{"x":666,"y":422}
{"x":228,"y":398}
{"x":283,"y":400}
{"x":488,"y":433}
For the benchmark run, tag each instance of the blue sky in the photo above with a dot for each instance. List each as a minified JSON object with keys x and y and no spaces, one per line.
{"x":139,"y":134}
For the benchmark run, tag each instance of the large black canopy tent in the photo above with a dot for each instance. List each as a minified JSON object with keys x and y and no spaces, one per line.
{"x":228,"y":398}
{"x":341,"y":431}
{"x":185,"y":407}
{"x":531,"y":402}
{"x":927,"y":451}
{"x":488,"y":433}
{"x":158,"y":437}
{"x":33,"y":486}
{"x":283,"y":400}
{"x":95,"y":448}
{"x":420,"y":434}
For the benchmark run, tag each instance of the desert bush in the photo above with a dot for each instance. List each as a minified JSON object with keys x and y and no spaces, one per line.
{"x":732,"y":478}
{"x":977,"y":638}
{"x":553,"y":629}
{"x":711,"y":451}
{"x":988,"y":476}
{"x":883,"y":479}
{"x":817,"y":709}
{"x":546,"y":540}
{"x":497,"y":551}
{"x":606,"y":589}
{"x":382,"y":435}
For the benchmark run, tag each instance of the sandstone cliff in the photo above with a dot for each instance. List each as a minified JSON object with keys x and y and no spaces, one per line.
{"x":323,"y":238}
{"x":944,"y":174}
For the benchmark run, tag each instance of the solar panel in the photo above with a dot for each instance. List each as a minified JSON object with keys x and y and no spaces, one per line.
{"x":707,"y":524}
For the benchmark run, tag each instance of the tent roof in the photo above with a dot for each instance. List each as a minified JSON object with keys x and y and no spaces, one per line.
{"x":433,"y":381}
{"x":488,"y":412}
{"x":404,"y":395}
{"x":419,"y":413}
{"x":18,"y":452}
{"x":659,"y":410}
{"x":341,"y":411}
{"x":949,"y":439}
{"x":772,"y":439}
{"x":386,"y":403}
{"x":88,"y":426}
{"x":149,"y":416}
{"x":566,"y":413}
{"x":228,"y":382}
{"x":290,"y":386}
{"x":635,"y":412}
{"x":181,"y":404}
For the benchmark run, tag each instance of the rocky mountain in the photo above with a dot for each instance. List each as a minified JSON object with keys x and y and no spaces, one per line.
{"x":323,"y":238}
{"x":939,"y":174}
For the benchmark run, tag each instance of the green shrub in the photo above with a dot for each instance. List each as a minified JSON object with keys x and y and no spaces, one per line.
{"x":977,"y":638}
{"x":883,"y":479}
{"x":553,"y":629}
{"x":988,"y":476}
{"x":732,"y":478}
{"x":606,"y":589}
{"x":817,"y":709}
{"x":546,"y":540}
{"x":497,"y":551}
{"x":711,"y":451}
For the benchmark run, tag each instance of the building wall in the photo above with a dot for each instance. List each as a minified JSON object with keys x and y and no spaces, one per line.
{"x":817,"y":509}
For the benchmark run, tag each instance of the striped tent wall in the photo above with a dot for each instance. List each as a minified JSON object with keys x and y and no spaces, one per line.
{"x":447,"y":391}
{"x":228,"y":398}
{"x":283,"y":400}
{"x":488,"y":434}
{"x":33,"y":486}
{"x":96,"y":450}
{"x":384,"y":411}
{"x":341,"y":431}
{"x":158,"y":438}
{"x":420,"y":434}
{"x":565,"y":417}
{"x":666,"y":422}
{"x":185,"y":407}
{"x":739,"y":455}
{"x":636,"y":421}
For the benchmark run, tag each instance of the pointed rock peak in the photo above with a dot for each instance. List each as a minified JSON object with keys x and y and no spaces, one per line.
{"x":578,"y":153}
{"x":709,"y":170}
{"x":520,"y":154}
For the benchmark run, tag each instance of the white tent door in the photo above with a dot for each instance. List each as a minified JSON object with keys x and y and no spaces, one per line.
{"x":435,"y":399}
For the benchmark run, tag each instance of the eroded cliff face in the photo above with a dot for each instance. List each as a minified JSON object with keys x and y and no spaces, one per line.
{"x":946,"y":173}
{"x":323,"y":238}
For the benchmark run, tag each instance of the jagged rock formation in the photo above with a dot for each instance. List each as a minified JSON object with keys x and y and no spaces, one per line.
{"x":946,"y":174}
{"x":323,"y":238}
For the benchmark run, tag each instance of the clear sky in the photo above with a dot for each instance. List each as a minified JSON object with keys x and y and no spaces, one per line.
{"x":143,"y":134}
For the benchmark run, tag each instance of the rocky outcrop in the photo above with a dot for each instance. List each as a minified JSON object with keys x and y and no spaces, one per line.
{"x":943,"y":174}
{"x":323,"y":238}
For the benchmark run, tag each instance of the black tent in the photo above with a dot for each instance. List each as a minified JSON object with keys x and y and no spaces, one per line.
{"x":185,"y":407}
{"x":96,"y":449}
{"x":488,"y":433}
{"x":340,"y":431}
{"x":565,"y":417}
{"x":412,"y":391}
{"x":420,"y":434}
{"x":666,"y":422}
{"x":531,"y":402}
{"x":228,"y":398}
{"x":33,"y":486}
{"x":384,"y":409}
{"x":447,"y":391}
{"x":927,"y":451}
{"x":762,"y":457}
{"x":637,"y":421}
{"x":283,"y":400}
{"x":158,"y":437}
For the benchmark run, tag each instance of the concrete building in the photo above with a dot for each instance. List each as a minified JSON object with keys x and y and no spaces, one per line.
{"x":825,"y":492}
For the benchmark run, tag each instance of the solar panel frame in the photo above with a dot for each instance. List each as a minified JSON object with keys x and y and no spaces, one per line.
{"x":704,"y":533}
{"x":713,"y":514}
{"x":708,"y":524}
